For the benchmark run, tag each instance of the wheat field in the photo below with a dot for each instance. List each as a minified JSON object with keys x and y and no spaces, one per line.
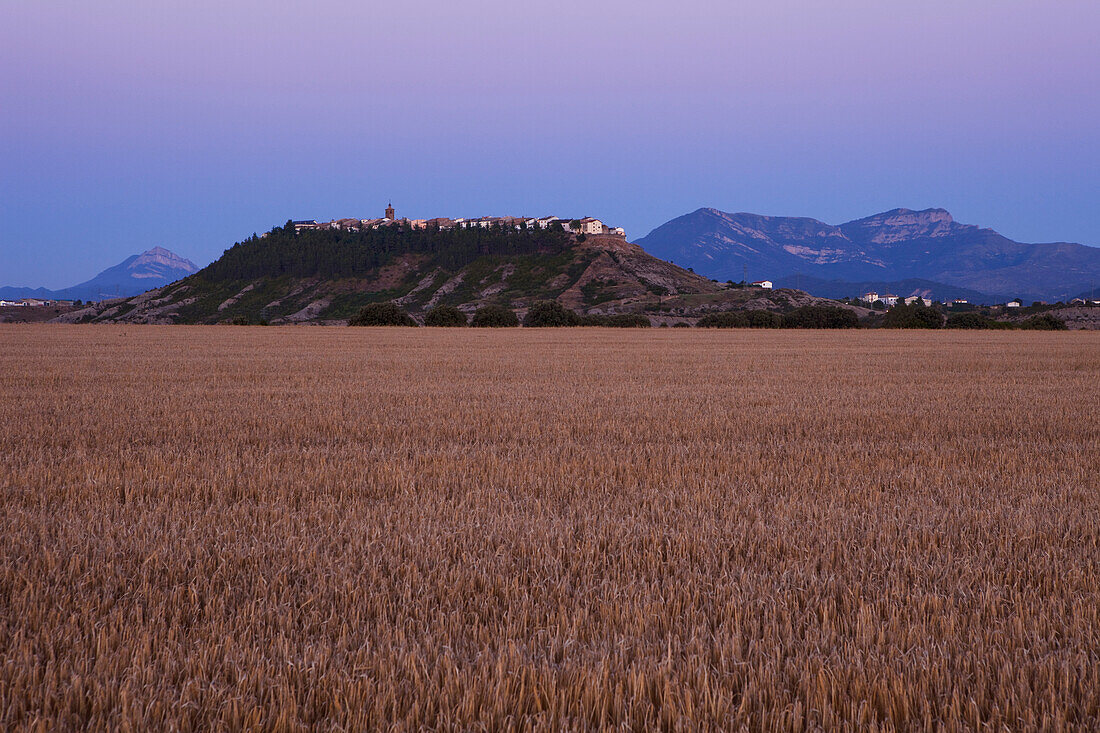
{"x":231,"y":528}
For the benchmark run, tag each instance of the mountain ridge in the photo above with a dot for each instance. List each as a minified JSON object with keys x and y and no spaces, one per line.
{"x":890,"y":246}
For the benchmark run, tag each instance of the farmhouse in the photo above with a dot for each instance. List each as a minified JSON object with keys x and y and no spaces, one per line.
{"x":591,"y":226}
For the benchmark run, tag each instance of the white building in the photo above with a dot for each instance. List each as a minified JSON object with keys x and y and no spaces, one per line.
{"x":869,"y":297}
{"x":591,"y":226}
{"x":890,"y":300}
{"x":766,"y":284}
{"x":1013,"y":304}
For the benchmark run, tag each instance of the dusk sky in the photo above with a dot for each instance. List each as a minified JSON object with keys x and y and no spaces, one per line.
{"x":190,"y":125}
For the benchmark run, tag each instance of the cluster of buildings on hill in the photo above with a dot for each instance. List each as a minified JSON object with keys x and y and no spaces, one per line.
{"x":32,"y":302}
{"x":892,"y":300}
{"x":587,"y":225}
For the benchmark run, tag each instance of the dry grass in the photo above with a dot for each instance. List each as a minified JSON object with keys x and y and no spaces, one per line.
{"x":278,"y":529}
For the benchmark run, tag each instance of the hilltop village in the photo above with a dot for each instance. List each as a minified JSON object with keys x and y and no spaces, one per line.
{"x":586,"y":225}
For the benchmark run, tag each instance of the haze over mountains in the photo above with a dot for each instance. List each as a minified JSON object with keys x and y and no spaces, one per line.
{"x":903,"y":251}
{"x":136,"y":274}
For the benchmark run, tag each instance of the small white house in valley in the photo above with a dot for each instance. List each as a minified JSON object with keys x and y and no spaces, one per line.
{"x":1013,"y":304}
{"x":766,"y":284}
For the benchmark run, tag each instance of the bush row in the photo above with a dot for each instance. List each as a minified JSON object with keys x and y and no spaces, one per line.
{"x":1042,"y":322}
{"x":550,"y":313}
{"x":546,"y":313}
{"x":807,"y":316}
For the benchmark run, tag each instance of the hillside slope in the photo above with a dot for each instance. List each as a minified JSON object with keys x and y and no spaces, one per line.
{"x":889,"y":247}
{"x":326,"y":276}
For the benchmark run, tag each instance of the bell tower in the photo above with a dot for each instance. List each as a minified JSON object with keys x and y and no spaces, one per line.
{"x":389,"y":212}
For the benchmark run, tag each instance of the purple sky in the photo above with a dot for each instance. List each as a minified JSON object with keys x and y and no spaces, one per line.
{"x":193,"y":123}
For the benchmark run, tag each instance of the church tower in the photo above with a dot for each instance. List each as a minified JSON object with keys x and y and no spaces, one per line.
{"x":389,"y":211}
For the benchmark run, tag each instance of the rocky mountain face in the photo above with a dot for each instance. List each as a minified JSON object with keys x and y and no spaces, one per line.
{"x":153,"y":268}
{"x":325,"y":277}
{"x":887,"y":248}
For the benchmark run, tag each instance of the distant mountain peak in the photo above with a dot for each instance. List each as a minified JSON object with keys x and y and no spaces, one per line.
{"x":907,"y":218}
{"x":901,"y":225}
{"x":161,"y":257}
{"x":136,"y":274}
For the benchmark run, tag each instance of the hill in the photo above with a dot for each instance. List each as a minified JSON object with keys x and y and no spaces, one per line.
{"x":889,"y":247}
{"x":136,"y":274}
{"x":326,"y":276}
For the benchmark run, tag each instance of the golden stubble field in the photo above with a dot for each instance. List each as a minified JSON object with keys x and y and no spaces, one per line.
{"x":279,"y":529}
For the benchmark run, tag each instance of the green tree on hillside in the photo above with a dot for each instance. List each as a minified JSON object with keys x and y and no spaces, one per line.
{"x":381,"y":314}
{"x":445,"y":315}
{"x":550,"y":313}
{"x":494,"y":316}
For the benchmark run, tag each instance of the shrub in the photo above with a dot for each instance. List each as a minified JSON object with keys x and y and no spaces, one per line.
{"x":1044,"y":322}
{"x":916,"y":315}
{"x":681,"y":324}
{"x":820,"y":316}
{"x":975,"y":321}
{"x":726,"y":319}
{"x":550,"y":314}
{"x":445,"y":315}
{"x":494,"y":316}
{"x":240,"y":321}
{"x":617,"y":320}
{"x":381,"y":314}
{"x":764,"y":319}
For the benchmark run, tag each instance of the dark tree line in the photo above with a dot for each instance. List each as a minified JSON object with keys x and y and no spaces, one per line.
{"x":331,"y":253}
